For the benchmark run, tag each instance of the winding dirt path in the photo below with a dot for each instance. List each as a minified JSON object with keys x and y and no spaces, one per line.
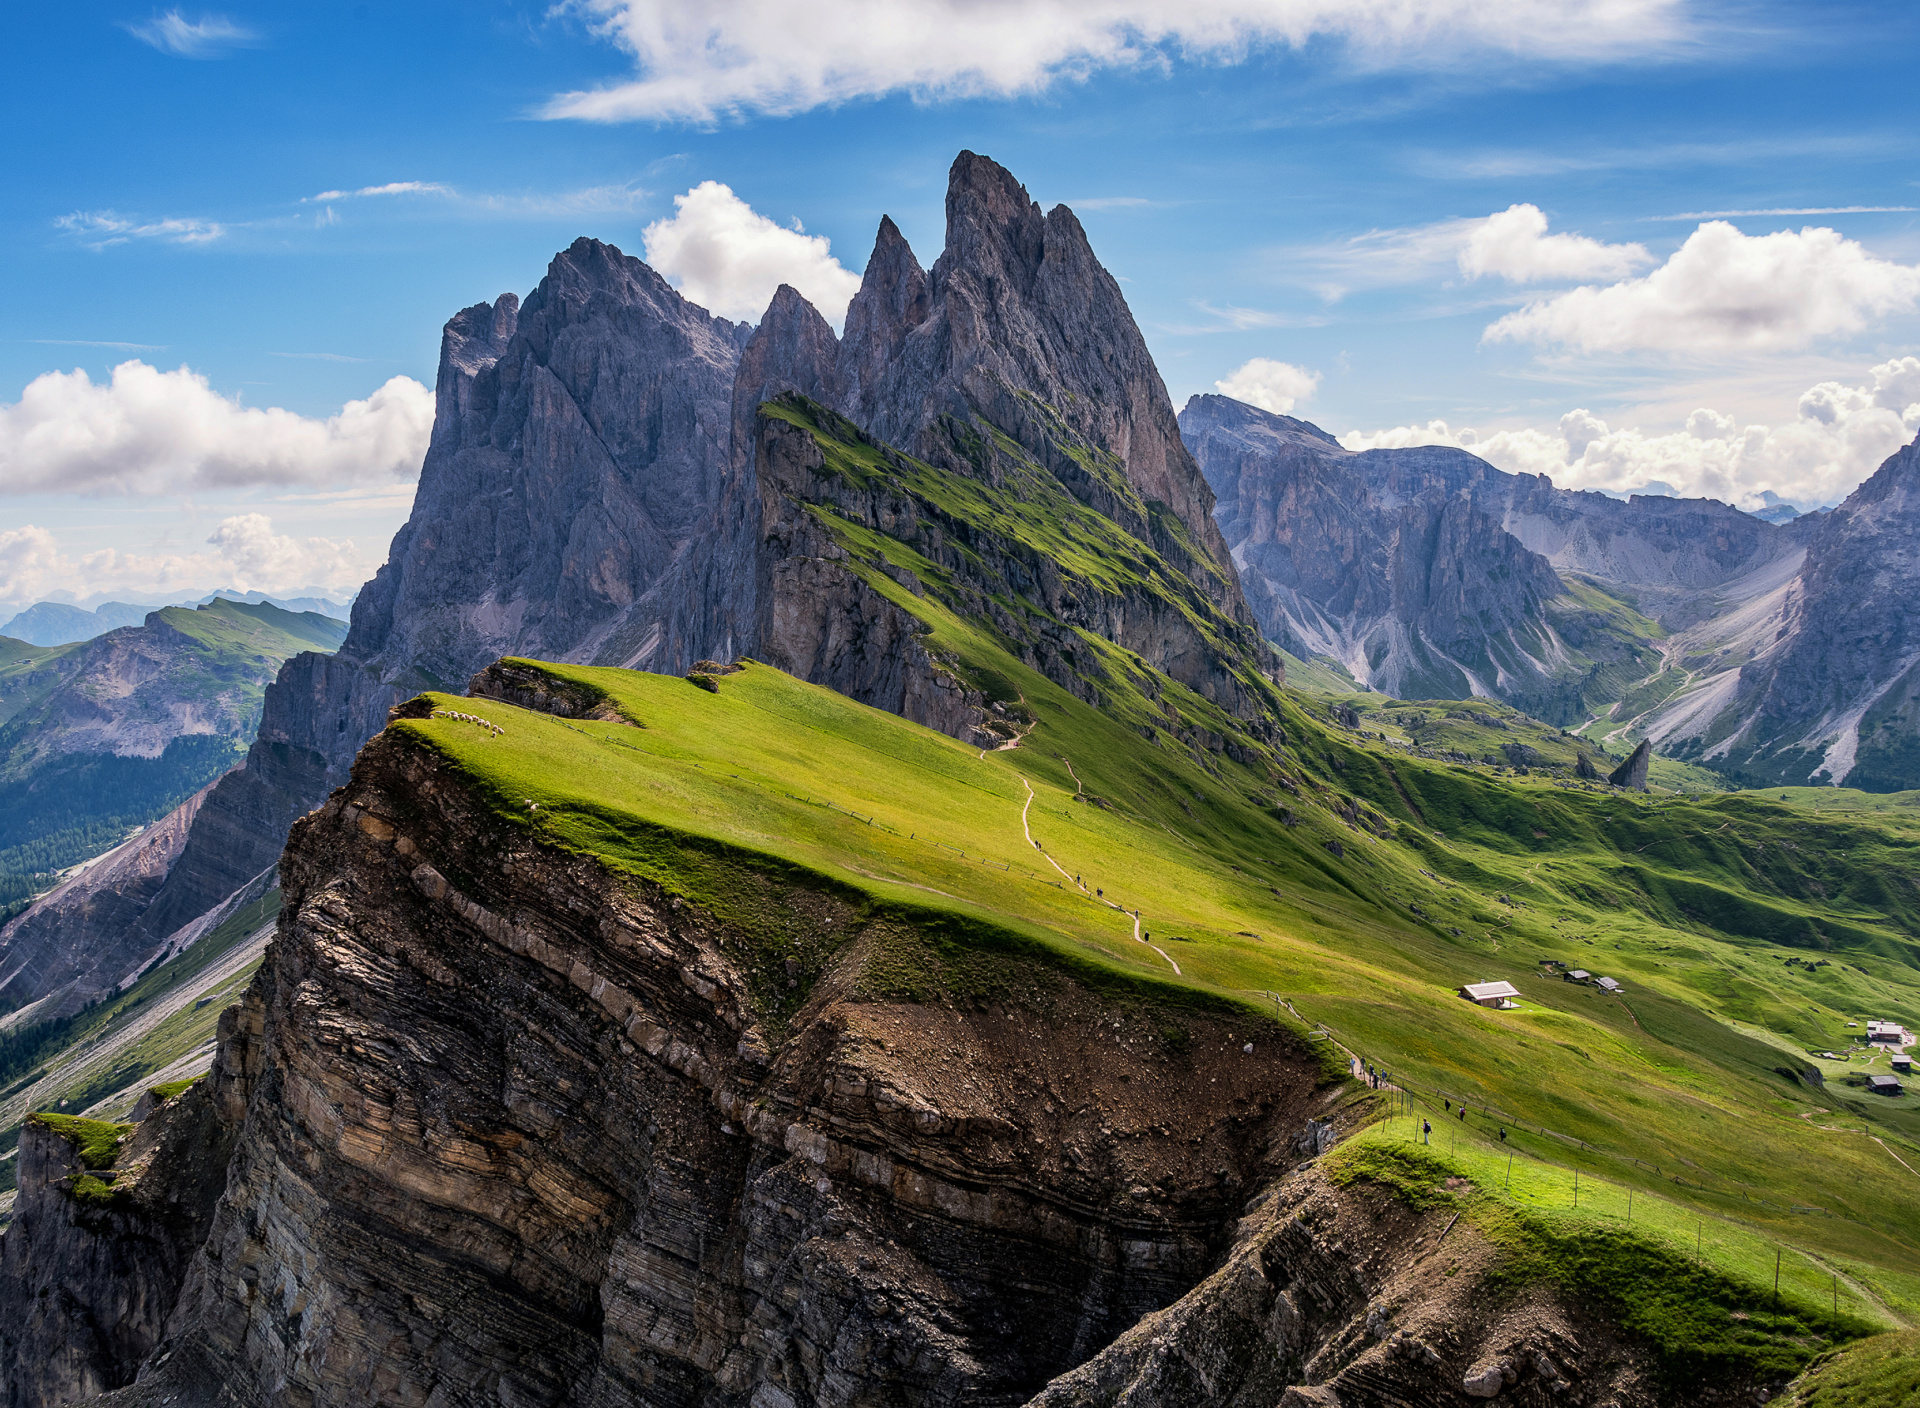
{"x":1134,"y":915}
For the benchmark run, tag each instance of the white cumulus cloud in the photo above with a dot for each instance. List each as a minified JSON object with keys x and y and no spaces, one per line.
{"x":727,"y":257}
{"x":147,"y":432}
{"x":1514,"y":245}
{"x":245,"y":553}
{"x":699,"y":60}
{"x":1270,"y":385}
{"x":208,"y":37}
{"x":1726,"y":291}
{"x":1838,"y":436}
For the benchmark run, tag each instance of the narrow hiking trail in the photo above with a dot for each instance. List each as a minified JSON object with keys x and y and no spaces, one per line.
{"x":1027,"y":831}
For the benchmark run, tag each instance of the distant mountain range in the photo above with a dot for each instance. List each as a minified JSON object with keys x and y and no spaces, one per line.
{"x":1773,"y":651}
{"x":105,"y":735}
{"x":61,"y":623}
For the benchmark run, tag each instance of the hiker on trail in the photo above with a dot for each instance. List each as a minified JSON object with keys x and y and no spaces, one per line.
{"x":1100,"y":894}
{"x":1426,"y":1132}
{"x":1449,"y":1106}
{"x":1463,"y":1114}
{"x":1503,"y":1134}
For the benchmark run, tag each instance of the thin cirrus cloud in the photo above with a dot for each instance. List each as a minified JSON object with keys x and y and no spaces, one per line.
{"x":727,"y":257}
{"x":147,"y":431}
{"x":1786,"y":210}
{"x":209,"y":37}
{"x":701,"y":60}
{"x":1725,"y":291}
{"x":391,"y":188}
{"x":102,"y":229}
{"x":1513,"y":245}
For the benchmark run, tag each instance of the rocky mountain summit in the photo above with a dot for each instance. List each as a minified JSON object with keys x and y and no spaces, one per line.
{"x":1772,"y":650}
{"x":594,"y":491}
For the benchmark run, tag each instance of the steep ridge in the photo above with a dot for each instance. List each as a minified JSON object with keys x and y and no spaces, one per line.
{"x":591,"y":493}
{"x":1833,"y":698}
{"x":1428,"y":573}
{"x":622,"y":1155}
{"x":594,"y":1064}
{"x":135,"y":726}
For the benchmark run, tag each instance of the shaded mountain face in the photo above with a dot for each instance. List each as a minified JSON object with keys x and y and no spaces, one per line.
{"x":1835,"y":697}
{"x":1427,"y":572}
{"x":1396,"y":563}
{"x":598,"y":489}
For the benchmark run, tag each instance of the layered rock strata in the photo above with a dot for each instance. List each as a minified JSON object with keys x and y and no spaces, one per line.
{"x":88,"y":1278}
{"x":591,"y":494}
{"x":525,"y":1131}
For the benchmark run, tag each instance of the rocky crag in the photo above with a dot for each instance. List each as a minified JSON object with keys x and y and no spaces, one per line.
{"x":1834,"y":697}
{"x":509,"y":1127}
{"x":1429,"y":573}
{"x":99,"y":1246}
{"x":593,"y":492}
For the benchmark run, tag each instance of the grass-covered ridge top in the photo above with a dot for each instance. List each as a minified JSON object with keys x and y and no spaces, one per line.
{"x":96,"y":1142}
{"x":764,"y":773}
{"x":1443,"y":875}
{"x":1702,"y":1312}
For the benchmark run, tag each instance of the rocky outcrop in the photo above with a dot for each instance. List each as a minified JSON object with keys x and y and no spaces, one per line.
{"x":93,"y":1260}
{"x":1832,"y":699}
{"x":1633,"y":772}
{"x":1334,"y":1299}
{"x":515,"y":1129}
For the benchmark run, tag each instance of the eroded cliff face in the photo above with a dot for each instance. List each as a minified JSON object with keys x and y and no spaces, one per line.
{"x":1332,"y":1298}
{"x":528,"y":1132}
{"x":87,"y":1280}
{"x":590,"y":493}
{"x":1833,"y":700}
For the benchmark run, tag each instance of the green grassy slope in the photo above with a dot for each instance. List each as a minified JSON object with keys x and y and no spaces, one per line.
{"x":1882,"y":1372}
{"x":1674,"y":1088}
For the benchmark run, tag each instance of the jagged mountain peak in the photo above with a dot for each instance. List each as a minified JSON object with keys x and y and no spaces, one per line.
{"x":1206,"y":410}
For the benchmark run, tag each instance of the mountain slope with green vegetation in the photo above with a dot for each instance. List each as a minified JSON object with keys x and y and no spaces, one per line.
{"x":102,"y":737}
{"x":1335,"y":879}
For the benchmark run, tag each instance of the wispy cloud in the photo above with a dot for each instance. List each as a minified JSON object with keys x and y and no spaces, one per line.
{"x":392,"y":188}
{"x":98,"y":229}
{"x":209,"y":37}
{"x":87,"y":342}
{"x":1118,"y":203}
{"x":1786,"y":210}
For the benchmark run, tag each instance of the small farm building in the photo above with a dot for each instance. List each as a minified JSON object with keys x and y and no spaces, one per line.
{"x":1883,"y":1085}
{"x":1490,"y":994}
{"x":1890,"y":1032}
{"x":1607,"y":984}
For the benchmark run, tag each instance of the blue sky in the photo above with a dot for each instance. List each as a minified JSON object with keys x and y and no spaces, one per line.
{"x":1297,"y":196}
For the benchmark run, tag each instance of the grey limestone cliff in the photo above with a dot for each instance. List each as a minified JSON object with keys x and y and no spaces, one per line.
{"x":1835,"y":697}
{"x":1428,"y":572}
{"x":590,"y":491}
